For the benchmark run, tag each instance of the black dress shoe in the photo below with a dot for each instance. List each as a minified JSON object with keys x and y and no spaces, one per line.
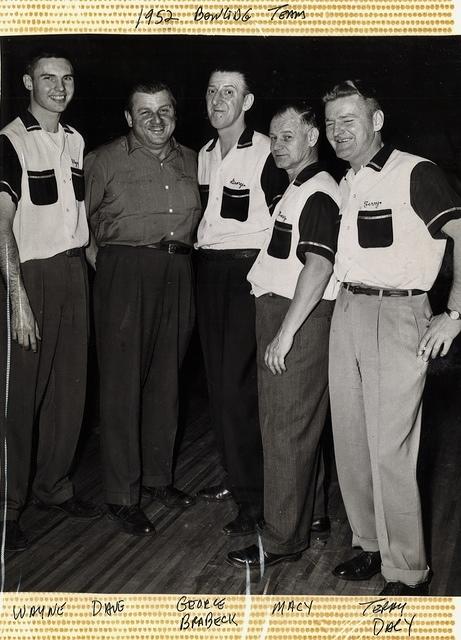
{"x":15,"y":539}
{"x":131,"y":519}
{"x":242,"y":525}
{"x":401,"y":589}
{"x":217,"y":493}
{"x":320,"y":528}
{"x":75,"y":508}
{"x":170,"y":496}
{"x":251,"y":556}
{"x":363,"y":567}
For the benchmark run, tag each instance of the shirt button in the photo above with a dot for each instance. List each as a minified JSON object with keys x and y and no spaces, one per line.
{"x":171,"y":233}
{"x":170,"y":210}
{"x":166,"y":186}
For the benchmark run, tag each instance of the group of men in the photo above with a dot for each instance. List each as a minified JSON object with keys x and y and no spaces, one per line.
{"x":277,"y":241}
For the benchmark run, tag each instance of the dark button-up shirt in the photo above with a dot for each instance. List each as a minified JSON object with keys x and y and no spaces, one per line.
{"x":135,"y":199}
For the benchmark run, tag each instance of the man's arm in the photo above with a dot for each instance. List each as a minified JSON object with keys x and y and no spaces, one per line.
{"x":24,"y":328}
{"x":94,"y":194}
{"x":443,"y":330}
{"x":311,"y":284}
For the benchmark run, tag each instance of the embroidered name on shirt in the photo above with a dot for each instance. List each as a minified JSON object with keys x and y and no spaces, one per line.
{"x":281,"y":217}
{"x":75,"y":163}
{"x":372,"y":205}
{"x":239,"y":184}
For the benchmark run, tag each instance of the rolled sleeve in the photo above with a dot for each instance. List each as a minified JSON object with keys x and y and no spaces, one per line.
{"x":318,"y":227}
{"x":433,"y":198}
{"x":10,"y":170}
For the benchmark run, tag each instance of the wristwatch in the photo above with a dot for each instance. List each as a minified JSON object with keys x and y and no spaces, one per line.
{"x":452,"y":314}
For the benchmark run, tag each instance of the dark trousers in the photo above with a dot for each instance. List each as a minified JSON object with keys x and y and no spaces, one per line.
{"x":226,"y":321}
{"x":144,"y":315}
{"x":292,"y":410}
{"x":46,"y":388}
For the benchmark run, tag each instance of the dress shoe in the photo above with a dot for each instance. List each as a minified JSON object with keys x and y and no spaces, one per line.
{"x":242,"y":525}
{"x":131,"y":519}
{"x":250,"y":556}
{"x":75,"y":508}
{"x":320,"y":528}
{"x":401,"y":589}
{"x":15,"y":539}
{"x":217,"y":493}
{"x":169,"y":496}
{"x":363,"y":567}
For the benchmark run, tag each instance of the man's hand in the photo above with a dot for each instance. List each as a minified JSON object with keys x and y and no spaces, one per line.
{"x":24,"y":327}
{"x":438,"y":337}
{"x":277,"y":351}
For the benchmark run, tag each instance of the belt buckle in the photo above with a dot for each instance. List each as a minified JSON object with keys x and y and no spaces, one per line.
{"x":171,"y":248}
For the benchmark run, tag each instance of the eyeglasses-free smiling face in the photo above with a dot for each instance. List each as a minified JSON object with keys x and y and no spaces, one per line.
{"x":353,"y":130}
{"x":227,"y":99}
{"x":51,"y":84}
{"x":292,"y":142}
{"x":153,"y":120}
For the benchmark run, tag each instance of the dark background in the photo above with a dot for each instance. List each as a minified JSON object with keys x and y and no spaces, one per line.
{"x":418,"y":81}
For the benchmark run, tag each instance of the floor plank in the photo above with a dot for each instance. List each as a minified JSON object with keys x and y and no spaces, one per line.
{"x":188,"y":553}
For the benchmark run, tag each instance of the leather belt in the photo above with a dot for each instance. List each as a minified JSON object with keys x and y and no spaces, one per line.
{"x":372,"y":291}
{"x":170,"y":247}
{"x":72,"y":253}
{"x":228,"y":253}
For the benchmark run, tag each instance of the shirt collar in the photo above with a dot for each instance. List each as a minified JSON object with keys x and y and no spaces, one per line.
{"x":307,"y":173}
{"x":245,"y":140}
{"x":133,"y":143}
{"x":32,"y":124}
{"x":380,"y":158}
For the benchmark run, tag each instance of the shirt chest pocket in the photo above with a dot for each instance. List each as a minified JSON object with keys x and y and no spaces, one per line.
{"x":78,"y":183}
{"x":235,"y":204}
{"x":375,"y":228}
{"x":280,"y":244}
{"x":43,"y":187}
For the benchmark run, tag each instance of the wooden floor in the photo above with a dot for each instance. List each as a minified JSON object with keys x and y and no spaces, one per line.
{"x":188,"y":554}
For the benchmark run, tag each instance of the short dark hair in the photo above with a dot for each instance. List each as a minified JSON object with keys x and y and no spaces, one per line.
{"x":303,"y":109}
{"x":149,"y":87}
{"x":247,"y":80}
{"x":353,"y":88}
{"x":35,"y":57}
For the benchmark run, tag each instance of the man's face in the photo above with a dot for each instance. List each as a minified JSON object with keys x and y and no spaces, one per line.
{"x":153,"y":120}
{"x":352,"y":130}
{"x":292,"y":142}
{"x":226,"y":100}
{"x":51,"y":84}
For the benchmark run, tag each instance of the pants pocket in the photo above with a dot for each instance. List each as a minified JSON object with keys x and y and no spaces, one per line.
{"x":375,"y":228}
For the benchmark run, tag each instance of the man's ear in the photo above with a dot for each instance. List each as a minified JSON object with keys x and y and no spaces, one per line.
{"x":378,"y":120}
{"x":27,"y":80}
{"x":248,"y":101}
{"x":313,"y":136}
{"x":128,"y":117}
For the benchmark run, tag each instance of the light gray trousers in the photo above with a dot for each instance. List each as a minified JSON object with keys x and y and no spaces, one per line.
{"x":376,"y":386}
